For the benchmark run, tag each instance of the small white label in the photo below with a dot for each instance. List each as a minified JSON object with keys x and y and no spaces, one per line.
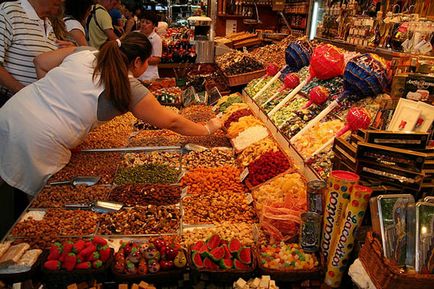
{"x":184,"y":192}
{"x":249,"y":198}
{"x":244,"y":174}
{"x":219,"y":115}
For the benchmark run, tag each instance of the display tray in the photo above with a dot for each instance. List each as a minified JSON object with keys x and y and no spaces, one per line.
{"x":25,"y":274}
{"x":157,"y":278}
{"x":221,"y":275}
{"x":62,"y":278}
{"x":240,"y":79}
{"x":384,"y":274}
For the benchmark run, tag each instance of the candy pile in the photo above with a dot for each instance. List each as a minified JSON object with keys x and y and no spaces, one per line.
{"x":268,"y":165}
{"x":215,"y":254}
{"x":285,"y":257}
{"x":210,"y":158}
{"x":141,"y":258}
{"x":234,"y":117}
{"x":171,"y":159}
{"x":242,"y":124}
{"x":255,"y":150}
{"x":141,"y":220}
{"x":226,"y":230}
{"x":227,"y":101}
{"x":249,"y":136}
{"x":288,"y":189}
{"x":287,"y":111}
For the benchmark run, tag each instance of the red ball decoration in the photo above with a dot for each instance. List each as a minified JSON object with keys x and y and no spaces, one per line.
{"x":272,"y":69}
{"x":291,"y":80}
{"x":326,"y":62}
{"x":319,"y":95}
{"x":357,"y":118}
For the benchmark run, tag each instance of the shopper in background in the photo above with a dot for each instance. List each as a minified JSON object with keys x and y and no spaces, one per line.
{"x":130,"y":23}
{"x":148,"y":23}
{"x":45,"y":120}
{"x":117,"y":20}
{"x":75,"y":17}
{"x":100,"y":23}
{"x":25,"y":32}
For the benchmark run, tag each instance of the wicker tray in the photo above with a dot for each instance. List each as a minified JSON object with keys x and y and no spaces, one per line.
{"x":240,"y":79}
{"x":61,"y":278}
{"x":384,"y":274}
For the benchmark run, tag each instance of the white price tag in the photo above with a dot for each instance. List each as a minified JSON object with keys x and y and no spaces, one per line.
{"x":219,"y":115}
{"x":184,"y":192}
{"x":249,"y":198}
{"x":244,"y":174}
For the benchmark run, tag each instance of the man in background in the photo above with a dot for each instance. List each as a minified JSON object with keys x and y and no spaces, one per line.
{"x":100,"y":24}
{"x":148,"y":23}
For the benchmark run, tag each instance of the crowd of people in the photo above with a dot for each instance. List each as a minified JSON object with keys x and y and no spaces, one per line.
{"x":65,"y":67}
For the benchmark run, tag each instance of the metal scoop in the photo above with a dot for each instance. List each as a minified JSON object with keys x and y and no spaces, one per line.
{"x":80,"y":180}
{"x":98,"y":206}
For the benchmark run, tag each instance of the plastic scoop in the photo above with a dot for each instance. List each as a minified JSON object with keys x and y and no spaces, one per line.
{"x":79,"y":181}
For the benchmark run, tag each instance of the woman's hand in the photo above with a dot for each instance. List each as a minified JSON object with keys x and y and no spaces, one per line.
{"x":213,"y":124}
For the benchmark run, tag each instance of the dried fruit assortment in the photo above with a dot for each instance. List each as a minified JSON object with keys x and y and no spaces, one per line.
{"x":171,"y":159}
{"x":232,"y":207}
{"x":234,"y":117}
{"x":255,"y":150}
{"x":226,"y":230}
{"x":156,"y":138}
{"x":90,"y":164}
{"x":59,"y":196}
{"x":242,"y":124}
{"x":249,"y":136}
{"x":141,"y":258}
{"x":217,"y":254}
{"x":233,"y":108}
{"x":237,"y":62}
{"x":112,"y":134}
{"x":142,"y":195}
{"x":268,"y":165}
{"x":209,"y":141}
{"x":198,"y":113}
{"x":211,"y":158}
{"x":227,"y":101}
{"x":316,"y":136}
{"x":207,"y":180}
{"x":286,"y":257}
{"x":78,"y":255}
{"x":147,"y":174}
{"x":141,"y":220}
{"x":55,"y":223}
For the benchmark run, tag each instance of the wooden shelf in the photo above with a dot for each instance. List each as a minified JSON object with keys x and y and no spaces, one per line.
{"x":233,"y":16}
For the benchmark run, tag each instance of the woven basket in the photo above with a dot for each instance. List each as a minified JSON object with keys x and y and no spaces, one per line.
{"x":240,"y":79}
{"x":384,"y":274}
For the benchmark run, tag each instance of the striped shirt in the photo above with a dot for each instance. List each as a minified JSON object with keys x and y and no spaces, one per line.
{"x":23,"y":35}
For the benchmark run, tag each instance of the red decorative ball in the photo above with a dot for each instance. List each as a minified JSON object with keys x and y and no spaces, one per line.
{"x":291,"y":80}
{"x":319,"y":95}
{"x":326,"y":62}
{"x":272,"y":69}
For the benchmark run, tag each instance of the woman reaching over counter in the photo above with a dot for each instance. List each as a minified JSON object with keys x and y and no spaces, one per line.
{"x":78,"y":89}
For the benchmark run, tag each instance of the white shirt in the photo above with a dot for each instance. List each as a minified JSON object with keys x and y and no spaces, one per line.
{"x":157,"y":48}
{"x":40,"y":124}
{"x":71,"y":24}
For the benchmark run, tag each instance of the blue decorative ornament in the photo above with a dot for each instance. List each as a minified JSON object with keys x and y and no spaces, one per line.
{"x":365,"y":75}
{"x":297,"y":55}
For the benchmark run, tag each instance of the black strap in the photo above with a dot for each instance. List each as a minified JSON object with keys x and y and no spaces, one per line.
{"x":93,"y":15}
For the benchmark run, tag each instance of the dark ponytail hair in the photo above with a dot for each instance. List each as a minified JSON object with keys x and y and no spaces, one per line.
{"x":113,"y":62}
